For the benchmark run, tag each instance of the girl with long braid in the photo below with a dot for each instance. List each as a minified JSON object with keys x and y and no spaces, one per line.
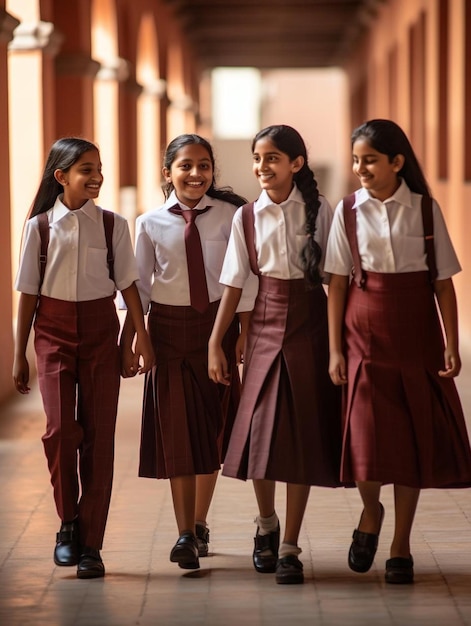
{"x":287,"y":426}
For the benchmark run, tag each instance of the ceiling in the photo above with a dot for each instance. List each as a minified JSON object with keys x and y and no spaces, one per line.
{"x":271,"y":34}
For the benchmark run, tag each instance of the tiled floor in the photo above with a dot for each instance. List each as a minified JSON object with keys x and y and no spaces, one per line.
{"x":143,"y":587}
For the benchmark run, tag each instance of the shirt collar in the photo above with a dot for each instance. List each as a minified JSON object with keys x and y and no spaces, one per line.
{"x":173,"y":200}
{"x":59,"y":210}
{"x":402,"y":195}
{"x":265,"y":201}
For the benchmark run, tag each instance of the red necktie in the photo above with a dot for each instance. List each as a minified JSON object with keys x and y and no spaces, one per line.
{"x":199,"y":297}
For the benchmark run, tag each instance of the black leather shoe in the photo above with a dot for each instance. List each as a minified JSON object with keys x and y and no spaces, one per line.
{"x":66,"y":552}
{"x":289,"y":571}
{"x":185,"y":551}
{"x":265,"y":552}
{"x":399,"y":571}
{"x":202,"y":539}
{"x":90,"y":564}
{"x":363,"y":548}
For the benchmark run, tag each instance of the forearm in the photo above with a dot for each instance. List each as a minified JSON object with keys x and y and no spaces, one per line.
{"x":26,"y":311}
{"x":135,"y":313}
{"x":225,"y":315}
{"x":336,"y":309}
{"x":447,"y":304}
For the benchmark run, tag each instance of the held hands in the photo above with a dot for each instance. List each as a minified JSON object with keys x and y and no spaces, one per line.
{"x":21,"y":374}
{"x":217,"y":365}
{"x":452,"y":364}
{"x":131,"y":360}
{"x":337,"y":368}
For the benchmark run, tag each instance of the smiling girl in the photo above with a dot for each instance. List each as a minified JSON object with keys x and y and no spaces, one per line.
{"x":403,"y":423}
{"x":186,"y":417}
{"x":67,"y":287}
{"x":287,"y":427}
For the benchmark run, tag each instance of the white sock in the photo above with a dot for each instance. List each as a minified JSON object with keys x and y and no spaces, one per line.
{"x":267,"y":525}
{"x":287,"y":548}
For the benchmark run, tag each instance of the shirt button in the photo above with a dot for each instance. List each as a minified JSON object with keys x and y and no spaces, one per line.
{"x":282,"y":251}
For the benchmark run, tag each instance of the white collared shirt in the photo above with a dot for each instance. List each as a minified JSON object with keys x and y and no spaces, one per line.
{"x":161,"y":254}
{"x":390,"y":236}
{"x":280,"y":236}
{"x":77,"y":268}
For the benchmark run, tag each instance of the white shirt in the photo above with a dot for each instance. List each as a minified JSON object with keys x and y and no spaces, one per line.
{"x":161,"y":254}
{"x":280,"y":236}
{"x":76,"y":268}
{"x":390,"y":236}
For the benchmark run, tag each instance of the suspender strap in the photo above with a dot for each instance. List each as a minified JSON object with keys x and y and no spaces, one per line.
{"x":43,"y":223}
{"x":350,"y":219}
{"x":248,"y":222}
{"x":427,"y":219}
{"x":350,"y":227}
{"x":108,"y":222}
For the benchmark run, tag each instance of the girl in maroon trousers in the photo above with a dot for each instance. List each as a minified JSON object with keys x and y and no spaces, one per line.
{"x":67,"y":288}
{"x":287,"y":427}
{"x":403,"y":423}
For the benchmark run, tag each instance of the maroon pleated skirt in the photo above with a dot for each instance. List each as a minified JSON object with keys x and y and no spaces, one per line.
{"x":403,"y":423}
{"x":186,"y":418}
{"x":288,"y":426}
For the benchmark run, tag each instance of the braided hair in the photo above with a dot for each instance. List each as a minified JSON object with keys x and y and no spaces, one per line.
{"x":289,"y":141}
{"x":226,"y":194}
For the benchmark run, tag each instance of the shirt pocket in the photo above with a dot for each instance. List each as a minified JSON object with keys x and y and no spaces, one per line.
{"x":96,"y":265}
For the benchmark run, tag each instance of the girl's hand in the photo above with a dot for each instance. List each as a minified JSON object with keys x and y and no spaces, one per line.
{"x":452,"y":364}
{"x":337,"y":368}
{"x":129,"y":362}
{"x":21,"y":374}
{"x":143,"y":348}
{"x":217,"y":365}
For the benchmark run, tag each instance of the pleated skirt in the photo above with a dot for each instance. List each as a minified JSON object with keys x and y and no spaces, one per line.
{"x":186,"y":418}
{"x":403,"y":423}
{"x":288,"y":426}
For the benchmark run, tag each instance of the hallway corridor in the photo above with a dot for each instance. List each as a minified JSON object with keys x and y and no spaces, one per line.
{"x":142,"y":587}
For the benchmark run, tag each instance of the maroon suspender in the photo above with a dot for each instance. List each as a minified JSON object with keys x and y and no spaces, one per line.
{"x":427,"y":219}
{"x":108,"y":222}
{"x":43,"y":223}
{"x":248,"y":222}
{"x":350,"y":218}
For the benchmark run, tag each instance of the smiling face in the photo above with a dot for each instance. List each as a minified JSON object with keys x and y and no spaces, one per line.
{"x":82,"y":181}
{"x":274,"y":169}
{"x":191,"y":174}
{"x":376,"y":172}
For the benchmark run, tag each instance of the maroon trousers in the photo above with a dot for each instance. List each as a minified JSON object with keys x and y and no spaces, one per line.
{"x":79,"y":375}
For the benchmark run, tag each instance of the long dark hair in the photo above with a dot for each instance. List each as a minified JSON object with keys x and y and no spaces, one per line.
{"x":289,"y":141}
{"x":387,"y":137}
{"x":220,"y":193}
{"x":62,"y":155}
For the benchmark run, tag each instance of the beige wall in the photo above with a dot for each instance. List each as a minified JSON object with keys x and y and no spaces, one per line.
{"x":7,"y":23}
